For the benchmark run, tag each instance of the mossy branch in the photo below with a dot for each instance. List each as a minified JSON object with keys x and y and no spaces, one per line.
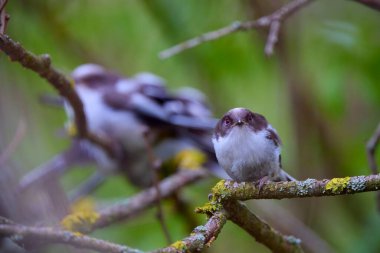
{"x":225,"y":190}
{"x":201,"y":236}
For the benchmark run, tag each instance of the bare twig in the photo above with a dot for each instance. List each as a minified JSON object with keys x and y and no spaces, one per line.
{"x":155,"y":165}
{"x":200,"y":237}
{"x":273,"y":21}
{"x":371,"y":149}
{"x":134,"y":205}
{"x":374,"y":4}
{"x":372,"y":144}
{"x":51,"y":235}
{"x":42,"y":66}
{"x":18,"y":136}
{"x":4,"y":17}
{"x":261,"y":231}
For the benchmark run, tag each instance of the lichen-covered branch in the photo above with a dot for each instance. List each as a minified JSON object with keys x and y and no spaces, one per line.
{"x":147,"y":198}
{"x":47,"y":235}
{"x":200,"y":237}
{"x":225,"y":190}
{"x":239,"y":214}
{"x":42,"y":66}
{"x":272,"y":21}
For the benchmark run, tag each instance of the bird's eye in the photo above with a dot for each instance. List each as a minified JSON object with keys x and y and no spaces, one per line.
{"x":250,"y":117}
{"x":227,"y":122}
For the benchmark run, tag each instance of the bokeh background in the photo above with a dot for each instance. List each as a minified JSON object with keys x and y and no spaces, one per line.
{"x":320,"y":91}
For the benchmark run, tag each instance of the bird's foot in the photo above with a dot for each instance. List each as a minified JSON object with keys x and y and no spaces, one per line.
{"x":260,"y":183}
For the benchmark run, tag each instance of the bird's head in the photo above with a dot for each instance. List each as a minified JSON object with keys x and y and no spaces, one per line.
{"x":239,"y":117}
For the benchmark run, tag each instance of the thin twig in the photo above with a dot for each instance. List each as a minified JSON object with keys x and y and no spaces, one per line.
{"x":53,"y":235}
{"x":4,"y":17}
{"x":155,"y":165}
{"x":371,"y":149}
{"x":272,"y":21}
{"x":373,"y":4}
{"x":147,"y":198}
{"x":16,"y":140}
{"x":42,"y":66}
{"x":372,"y":144}
{"x":261,"y":231}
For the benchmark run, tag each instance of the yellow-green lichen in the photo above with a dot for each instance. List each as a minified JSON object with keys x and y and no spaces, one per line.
{"x":337,"y":185}
{"x":209,"y":208}
{"x":179,"y":245}
{"x":190,"y":159}
{"x":80,"y":221}
{"x":220,"y":190}
{"x":82,"y":217}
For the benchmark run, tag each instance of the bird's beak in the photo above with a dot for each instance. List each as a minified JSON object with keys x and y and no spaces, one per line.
{"x":240,"y":122}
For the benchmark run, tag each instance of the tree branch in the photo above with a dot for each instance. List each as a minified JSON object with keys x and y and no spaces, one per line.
{"x":225,"y":190}
{"x":373,"y":4}
{"x":51,"y":235}
{"x":261,"y":231}
{"x":372,"y":144}
{"x":147,"y":198}
{"x":371,"y":149}
{"x":16,"y":140}
{"x":4,"y":17}
{"x":200,"y":237}
{"x":42,"y":66}
{"x":272,"y":21}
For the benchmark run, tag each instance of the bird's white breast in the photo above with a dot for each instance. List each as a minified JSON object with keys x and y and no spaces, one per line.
{"x":242,"y":150}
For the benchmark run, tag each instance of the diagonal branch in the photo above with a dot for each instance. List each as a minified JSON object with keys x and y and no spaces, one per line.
{"x":16,"y":140}
{"x":42,"y":66}
{"x":372,"y":144}
{"x":200,"y":237}
{"x":374,"y":4}
{"x":272,"y":21}
{"x":371,"y":149}
{"x":239,"y":214}
{"x":4,"y":17}
{"x":147,"y":198}
{"x":50,"y":235}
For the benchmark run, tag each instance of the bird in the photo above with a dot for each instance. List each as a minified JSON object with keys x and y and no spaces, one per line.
{"x":248,"y":148}
{"x":140,"y":116}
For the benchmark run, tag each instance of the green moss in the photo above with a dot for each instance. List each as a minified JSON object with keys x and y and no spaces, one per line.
{"x":337,"y":185}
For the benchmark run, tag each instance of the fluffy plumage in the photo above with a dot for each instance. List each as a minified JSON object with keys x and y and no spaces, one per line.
{"x":247,"y":147}
{"x":132,"y":110}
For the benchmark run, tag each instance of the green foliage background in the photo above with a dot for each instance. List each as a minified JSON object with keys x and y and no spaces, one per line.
{"x":320,"y":90}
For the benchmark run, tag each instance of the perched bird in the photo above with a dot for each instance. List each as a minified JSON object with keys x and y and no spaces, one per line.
{"x":140,"y":116}
{"x":248,"y":148}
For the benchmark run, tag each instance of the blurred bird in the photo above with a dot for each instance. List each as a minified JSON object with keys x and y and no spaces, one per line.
{"x":248,"y":148}
{"x":137,"y":114}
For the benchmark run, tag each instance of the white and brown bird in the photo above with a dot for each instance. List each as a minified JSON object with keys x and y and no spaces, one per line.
{"x":134,"y":112}
{"x":248,"y":148}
